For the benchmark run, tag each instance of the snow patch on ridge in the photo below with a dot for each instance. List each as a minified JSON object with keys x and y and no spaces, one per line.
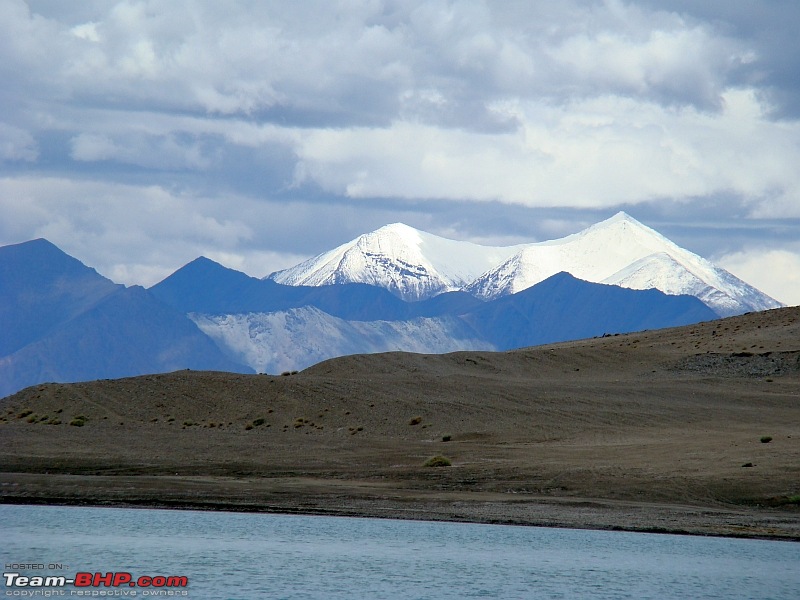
{"x":298,"y":338}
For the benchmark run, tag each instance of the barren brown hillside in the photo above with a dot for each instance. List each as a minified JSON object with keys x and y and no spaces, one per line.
{"x":660,"y":430}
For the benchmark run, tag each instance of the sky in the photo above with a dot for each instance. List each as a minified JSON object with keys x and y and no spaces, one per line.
{"x":139,"y":135}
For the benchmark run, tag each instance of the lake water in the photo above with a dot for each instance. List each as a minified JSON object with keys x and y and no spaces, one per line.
{"x":255,"y":556}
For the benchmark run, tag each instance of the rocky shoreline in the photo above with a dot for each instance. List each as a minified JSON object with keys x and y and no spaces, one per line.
{"x":367,"y":499}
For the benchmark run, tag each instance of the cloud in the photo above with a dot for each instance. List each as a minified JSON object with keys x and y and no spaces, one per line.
{"x":354,"y":63}
{"x":164,"y":151}
{"x":116,"y":224}
{"x":262,"y":132}
{"x":540,"y":105}
{"x":775,"y":271}
{"x":597,"y":152}
{"x":17,"y":144}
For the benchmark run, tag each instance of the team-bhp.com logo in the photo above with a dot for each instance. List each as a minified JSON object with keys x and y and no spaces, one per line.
{"x":95,"y":584}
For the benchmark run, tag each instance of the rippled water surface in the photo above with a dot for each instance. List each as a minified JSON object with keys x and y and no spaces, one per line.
{"x":254,"y":556}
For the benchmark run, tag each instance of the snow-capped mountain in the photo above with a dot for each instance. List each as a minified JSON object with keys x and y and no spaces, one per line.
{"x":621,"y":251}
{"x":412,"y":264}
{"x":416,"y":265}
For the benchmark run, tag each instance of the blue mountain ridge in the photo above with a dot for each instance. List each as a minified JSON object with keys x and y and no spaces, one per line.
{"x":204,"y":286}
{"x":42,"y":287}
{"x":562,"y":308}
{"x":62,"y":321}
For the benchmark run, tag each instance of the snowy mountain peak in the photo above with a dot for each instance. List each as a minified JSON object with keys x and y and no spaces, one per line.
{"x":620,"y":217}
{"x":415,"y":265}
{"x":412,"y":264}
{"x":622,"y":251}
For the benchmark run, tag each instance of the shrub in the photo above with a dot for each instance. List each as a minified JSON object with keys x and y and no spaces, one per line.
{"x":447,"y":438}
{"x":78,"y":421}
{"x":258,"y":422}
{"x":766,"y":439}
{"x":438,"y":461}
{"x":24,"y":413}
{"x":415,"y":421}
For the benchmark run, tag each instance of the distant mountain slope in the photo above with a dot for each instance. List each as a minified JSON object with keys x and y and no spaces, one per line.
{"x":40,"y":288}
{"x":412,"y":264}
{"x":300,"y":337}
{"x":558,"y":309}
{"x":127,"y":333}
{"x":622,"y":251}
{"x":563,"y":307}
{"x":204,"y":286}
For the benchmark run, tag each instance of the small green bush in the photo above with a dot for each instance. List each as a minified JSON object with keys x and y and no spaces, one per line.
{"x":258,"y":422}
{"x":415,"y":421}
{"x":447,"y":438}
{"x":438,"y":461}
{"x":78,"y":421}
{"x":766,"y":439}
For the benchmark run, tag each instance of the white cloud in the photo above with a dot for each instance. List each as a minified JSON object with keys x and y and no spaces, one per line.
{"x":86,"y":31}
{"x":775,"y":271}
{"x":17,"y":144}
{"x":139,"y":234}
{"x":146,"y":227}
{"x":686,"y":63}
{"x":162,"y":151}
{"x":597,"y":152}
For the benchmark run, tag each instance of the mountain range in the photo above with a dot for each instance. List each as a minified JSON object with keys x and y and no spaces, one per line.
{"x":396,"y":288}
{"x":621,"y":251}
